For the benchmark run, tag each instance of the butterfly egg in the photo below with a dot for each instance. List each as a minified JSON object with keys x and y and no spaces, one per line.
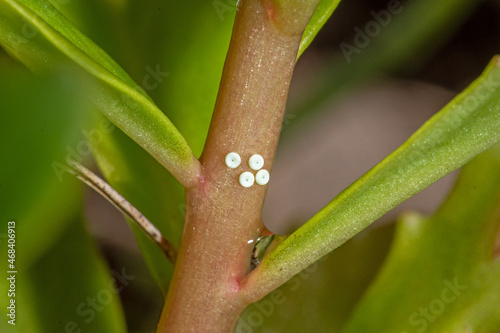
{"x":233,"y":160}
{"x":262,"y":177}
{"x":256,"y":162}
{"x":247,"y":179}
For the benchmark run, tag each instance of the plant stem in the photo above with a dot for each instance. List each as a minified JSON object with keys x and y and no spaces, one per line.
{"x":223,"y":219}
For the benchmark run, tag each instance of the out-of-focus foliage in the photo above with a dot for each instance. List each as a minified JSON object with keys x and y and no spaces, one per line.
{"x":44,"y":128}
{"x":57,"y":264}
{"x":443,"y":272}
{"x":112,"y":90}
{"x":403,"y":36}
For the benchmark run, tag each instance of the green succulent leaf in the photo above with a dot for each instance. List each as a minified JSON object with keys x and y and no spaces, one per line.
{"x":454,"y":253}
{"x":323,"y":295}
{"x":467,"y":126}
{"x":322,"y":13}
{"x":112,"y":90}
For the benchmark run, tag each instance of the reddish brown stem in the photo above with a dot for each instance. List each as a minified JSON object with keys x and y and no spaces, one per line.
{"x":223,"y":218}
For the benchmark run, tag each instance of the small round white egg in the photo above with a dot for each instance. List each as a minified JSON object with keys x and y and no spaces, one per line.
{"x":256,"y":162}
{"x":247,"y":179}
{"x":262,"y":177}
{"x":233,"y":160}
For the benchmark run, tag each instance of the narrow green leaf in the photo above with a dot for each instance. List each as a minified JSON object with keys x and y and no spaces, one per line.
{"x":321,"y":15}
{"x":467,"y":126}
{"x":322,"y":296}
{"x":448,"y":258}
{"x":116,"y":95}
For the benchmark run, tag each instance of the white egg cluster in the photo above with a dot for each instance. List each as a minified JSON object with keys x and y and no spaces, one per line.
{"x":256,"y":162}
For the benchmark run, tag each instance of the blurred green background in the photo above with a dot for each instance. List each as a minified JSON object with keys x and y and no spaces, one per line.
{"x":74,"y":249}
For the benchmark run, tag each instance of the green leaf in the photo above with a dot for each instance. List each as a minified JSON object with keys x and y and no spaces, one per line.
{"x":323,"y":295}
{"x":467,"y":126}
{"x":57,"y":266}
{"x":116,"y":95}
{"x":321,"y":15}
{"x":448,"y":258}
